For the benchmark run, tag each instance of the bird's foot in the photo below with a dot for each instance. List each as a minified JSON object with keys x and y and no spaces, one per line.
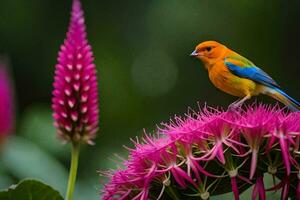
{"x":235,"y":107}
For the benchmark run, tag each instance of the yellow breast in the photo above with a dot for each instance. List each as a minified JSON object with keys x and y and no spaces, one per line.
{"x":223,"y":79}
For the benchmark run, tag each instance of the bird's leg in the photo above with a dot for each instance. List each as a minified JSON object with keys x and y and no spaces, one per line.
{"x":237,"y":104}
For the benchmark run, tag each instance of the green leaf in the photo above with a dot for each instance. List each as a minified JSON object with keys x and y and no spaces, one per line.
{"x":30,"y":190}
{"x":25,"y":159}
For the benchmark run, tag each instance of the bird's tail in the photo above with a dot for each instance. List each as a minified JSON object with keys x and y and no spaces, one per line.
{"x":281,"y":96}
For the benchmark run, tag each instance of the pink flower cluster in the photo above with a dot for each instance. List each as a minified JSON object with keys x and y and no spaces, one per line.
{"x":198,"y":155}
{"x":6,"y":103}
{"x":75,"y":95}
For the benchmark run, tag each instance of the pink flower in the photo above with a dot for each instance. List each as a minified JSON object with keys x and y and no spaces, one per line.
{"x":285,"y":133}
{"x":75,"y":95}
{"x":255,"y":125}
{"x":197,"y":154}
{"x":6,"y":103}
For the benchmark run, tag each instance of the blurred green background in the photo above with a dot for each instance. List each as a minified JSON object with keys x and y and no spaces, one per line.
{"x":145,"y":73}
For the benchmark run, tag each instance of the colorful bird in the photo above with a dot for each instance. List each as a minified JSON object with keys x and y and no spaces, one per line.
{"x":236,"y":75}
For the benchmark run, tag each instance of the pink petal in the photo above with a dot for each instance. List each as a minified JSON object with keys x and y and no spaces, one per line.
{"x":285,"y":155}
{"x":143,"y":195}
{"x":203,"y":171}
{"x":184,"y":175}
{"x":220,"y":153}
{"x":245,"y":179}
{"x":191,"y":163}
{"x":125,"y":196}
{"x":253,"y":163}
{"x":178,"y":178}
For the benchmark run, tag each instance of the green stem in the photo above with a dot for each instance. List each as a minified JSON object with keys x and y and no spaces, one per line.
{"x":173,"y":193}
{"x":73,"y":170}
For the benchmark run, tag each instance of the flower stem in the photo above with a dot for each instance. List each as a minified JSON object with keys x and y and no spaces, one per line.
{"x":73,"y":170}
{"x":173,"y":193}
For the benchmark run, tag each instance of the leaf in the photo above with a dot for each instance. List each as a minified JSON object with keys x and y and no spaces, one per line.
{"x":25,"y":159}
{"x":30,"y":190}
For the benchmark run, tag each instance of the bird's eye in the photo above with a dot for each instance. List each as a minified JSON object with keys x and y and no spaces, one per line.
{"x":208,"y":49}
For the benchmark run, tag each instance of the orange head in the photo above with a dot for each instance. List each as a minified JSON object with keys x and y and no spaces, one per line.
{"x":209,"y":51}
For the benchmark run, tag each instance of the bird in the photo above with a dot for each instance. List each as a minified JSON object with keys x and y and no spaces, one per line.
{"x":236,"y":75}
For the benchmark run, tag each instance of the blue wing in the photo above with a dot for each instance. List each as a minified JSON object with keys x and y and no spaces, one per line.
{"x":242,"y":69}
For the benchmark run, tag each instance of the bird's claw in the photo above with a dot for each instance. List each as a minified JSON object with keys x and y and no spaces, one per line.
{"x":234,"y":107}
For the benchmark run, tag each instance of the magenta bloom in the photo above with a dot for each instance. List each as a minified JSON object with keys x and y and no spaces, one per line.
{"x":197,"y":156}
{"x":75,"y":95}
{"x":6,"y":103}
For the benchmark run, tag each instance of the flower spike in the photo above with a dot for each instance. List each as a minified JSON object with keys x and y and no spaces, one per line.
{"x":6,"y":103}
{"x":75,"y":95}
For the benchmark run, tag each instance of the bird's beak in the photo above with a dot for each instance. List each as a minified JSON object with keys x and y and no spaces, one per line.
{"x":194,"y":53}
